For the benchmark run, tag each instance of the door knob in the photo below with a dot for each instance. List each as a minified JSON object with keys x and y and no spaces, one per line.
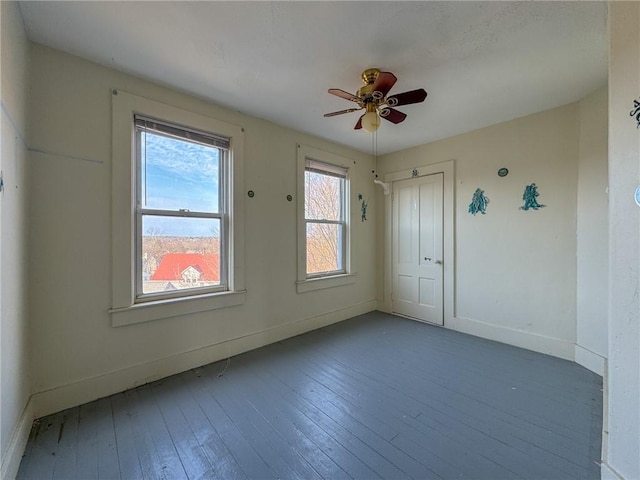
{"x":438,"y":262}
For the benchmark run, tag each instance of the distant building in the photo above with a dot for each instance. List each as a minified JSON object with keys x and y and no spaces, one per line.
{"x":188,"y":268}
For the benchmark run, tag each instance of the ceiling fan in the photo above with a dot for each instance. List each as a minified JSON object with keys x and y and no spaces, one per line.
{"x":373,"y":98}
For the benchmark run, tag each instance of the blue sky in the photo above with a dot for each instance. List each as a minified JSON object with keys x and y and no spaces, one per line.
{"x":179,"y":175}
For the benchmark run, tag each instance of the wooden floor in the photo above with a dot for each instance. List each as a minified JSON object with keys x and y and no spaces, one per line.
{"x":373,"y":397}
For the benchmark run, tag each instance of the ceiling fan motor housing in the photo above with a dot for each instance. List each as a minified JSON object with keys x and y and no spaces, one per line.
{"x":366,"y":93}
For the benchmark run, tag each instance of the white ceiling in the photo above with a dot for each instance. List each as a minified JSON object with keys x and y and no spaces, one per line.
{"x":481,"y":62}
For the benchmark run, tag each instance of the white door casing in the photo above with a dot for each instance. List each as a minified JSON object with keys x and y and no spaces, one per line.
{"x":417,"y":248}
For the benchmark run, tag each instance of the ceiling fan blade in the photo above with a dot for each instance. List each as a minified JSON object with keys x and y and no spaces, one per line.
{"x":358,"y":123}
{"x":394,"y":116}
{"x":342,"y":94}
{"x":383,"y":84}
{"x":407,"y":98}
{"x":348,"y":110}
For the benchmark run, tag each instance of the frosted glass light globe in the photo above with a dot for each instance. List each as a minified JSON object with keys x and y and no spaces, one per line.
{"x":370,"y":121}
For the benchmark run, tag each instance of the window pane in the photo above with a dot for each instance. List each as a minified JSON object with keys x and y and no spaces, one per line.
{"x":177,"y":174}
{"x":179,"y":253}
{"x":324,"y":247}
{"x":322,"y":196}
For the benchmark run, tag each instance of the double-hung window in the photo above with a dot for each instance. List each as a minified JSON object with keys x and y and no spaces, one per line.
{"x":325,"y":218}
{"x":177,"y":211}
{"x":181,"y":217}
{"x":325,"y":235}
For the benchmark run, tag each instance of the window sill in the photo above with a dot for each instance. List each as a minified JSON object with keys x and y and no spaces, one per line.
{"x":320,"y":283}
{"x":145,"y":312}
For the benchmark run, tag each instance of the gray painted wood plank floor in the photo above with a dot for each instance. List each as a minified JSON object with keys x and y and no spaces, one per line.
{"x":376,"y":396}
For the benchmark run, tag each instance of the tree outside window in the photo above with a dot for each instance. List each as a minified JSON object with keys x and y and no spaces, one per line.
{"x":325,"y":213}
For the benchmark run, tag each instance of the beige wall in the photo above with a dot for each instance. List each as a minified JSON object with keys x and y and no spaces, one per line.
{"x":14,"y":357}
{"x":516,"y":277}
{"x":621,"y":442}
{"x":592,"y":234}
{"x":515,"y":270}
{"x":78,"y":355}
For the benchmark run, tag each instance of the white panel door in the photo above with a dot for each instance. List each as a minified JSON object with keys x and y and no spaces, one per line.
{"x":417,"y":259}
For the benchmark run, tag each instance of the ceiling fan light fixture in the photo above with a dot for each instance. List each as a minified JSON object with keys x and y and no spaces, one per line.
{"x":372,"y":96}
{"x":370,"y":121}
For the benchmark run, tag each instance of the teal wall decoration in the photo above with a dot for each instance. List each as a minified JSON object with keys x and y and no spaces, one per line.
{"x":636,"y":111}
{"x":363,"y":208}
{"x":478,"y":202}
{"x":529,"y":197}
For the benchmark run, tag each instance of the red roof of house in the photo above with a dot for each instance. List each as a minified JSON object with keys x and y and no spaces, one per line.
{"x":173,"y":264}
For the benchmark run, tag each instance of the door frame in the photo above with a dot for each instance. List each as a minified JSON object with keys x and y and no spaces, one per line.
{"x":448,"y":211}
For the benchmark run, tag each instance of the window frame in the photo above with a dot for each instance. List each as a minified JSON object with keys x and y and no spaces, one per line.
{"x":126,"y":309}
{"x":310,"y":282}
{"x":324,"y":168}
{"x":141,"y":211}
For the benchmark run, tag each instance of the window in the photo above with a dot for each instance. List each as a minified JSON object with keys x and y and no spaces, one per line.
{"x":178,"y":239}
{"x":324,"y":206}
{"x":181,"y":213}
{"x":324,"y":234}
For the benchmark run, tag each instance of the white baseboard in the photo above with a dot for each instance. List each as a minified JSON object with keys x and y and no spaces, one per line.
{"x":89,"y":389}
{"x":608,"y":473}
{"x":590,"y":360}
{"x":13,"y":456}
{"x":518,"y":338}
